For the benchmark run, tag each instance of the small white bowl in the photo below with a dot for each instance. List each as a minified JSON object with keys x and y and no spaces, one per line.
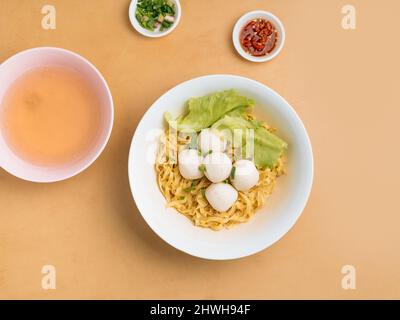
{"x":153,"y":34}
{"x":257,"y":15}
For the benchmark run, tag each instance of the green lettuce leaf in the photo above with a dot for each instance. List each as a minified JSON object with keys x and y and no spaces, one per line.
{"x":267,"y":147}
{"x":204,"y":111}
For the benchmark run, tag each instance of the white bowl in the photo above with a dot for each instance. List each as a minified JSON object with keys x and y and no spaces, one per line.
{"x":153,"y":34}
{"x":270,"y":222}
{"x":254,"y":15}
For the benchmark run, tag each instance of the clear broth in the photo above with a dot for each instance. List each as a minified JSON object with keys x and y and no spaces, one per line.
{"x":50,"y":116}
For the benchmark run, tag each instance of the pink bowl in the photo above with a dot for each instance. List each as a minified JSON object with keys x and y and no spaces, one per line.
{"x":18,"y":64}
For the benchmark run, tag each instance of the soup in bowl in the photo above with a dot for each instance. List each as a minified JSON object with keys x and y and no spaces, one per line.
{"x":56,"y":114}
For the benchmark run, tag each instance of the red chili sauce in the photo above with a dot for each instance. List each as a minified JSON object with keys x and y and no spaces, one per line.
{"x":259,"y":37}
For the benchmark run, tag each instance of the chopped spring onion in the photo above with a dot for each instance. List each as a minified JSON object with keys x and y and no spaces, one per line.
{"x":202,"y":168}
{"x":233,"y":171}
{"x":192,"y":187}
{"x":155,"y":15}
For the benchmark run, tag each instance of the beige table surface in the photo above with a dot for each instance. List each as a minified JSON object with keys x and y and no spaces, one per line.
{"x":343,"y":84}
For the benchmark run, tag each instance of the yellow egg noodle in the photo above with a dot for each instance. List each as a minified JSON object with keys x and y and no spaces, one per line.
{"x":188,"y":198}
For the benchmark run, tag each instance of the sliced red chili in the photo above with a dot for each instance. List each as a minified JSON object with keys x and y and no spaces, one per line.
{"x":259,"y":37}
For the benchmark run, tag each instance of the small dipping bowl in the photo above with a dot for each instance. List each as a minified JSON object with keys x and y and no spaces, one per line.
{"x":24,"y":61}
{"x":259,"y":14}
{"x":153,"y":34}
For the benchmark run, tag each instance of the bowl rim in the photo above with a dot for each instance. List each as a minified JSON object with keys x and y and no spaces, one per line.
{"x":148,"y":33}
{"x":243,"y":20}
{"x":110,"y":121}
{"x":252,"y":251}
